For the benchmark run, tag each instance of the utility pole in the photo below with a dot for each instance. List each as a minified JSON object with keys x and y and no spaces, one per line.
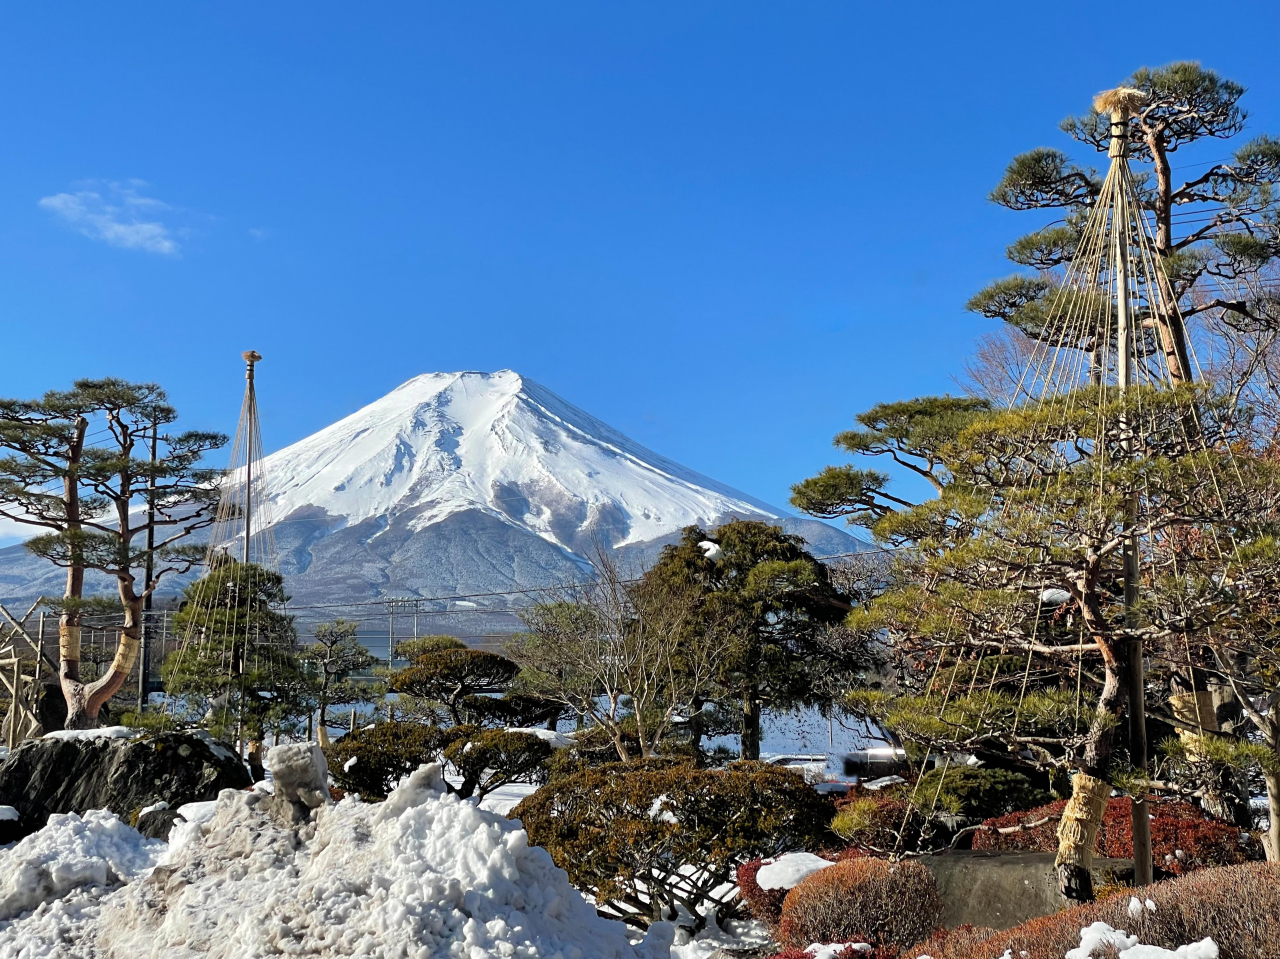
{"x":144,"y":660}
{"x":1121,"y":225}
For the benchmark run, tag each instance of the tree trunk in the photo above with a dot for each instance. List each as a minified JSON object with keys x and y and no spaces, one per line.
{"x":90,"y":699}
{"x":1170,"y":327}
{"x":751,"y":725}
{"x":73,"y":690}
{"x":1272,"y":840}
{"x":1075,"y":847}
{"x":620,"y":744}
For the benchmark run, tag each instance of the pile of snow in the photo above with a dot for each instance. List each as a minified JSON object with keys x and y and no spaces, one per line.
{"x":786,"y":872}
{"x":92,"y":852}
{"x":423,"y":874}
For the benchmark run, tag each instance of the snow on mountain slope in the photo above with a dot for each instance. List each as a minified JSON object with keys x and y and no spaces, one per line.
{"x":444,"y":443}
{"x":462,"y":483}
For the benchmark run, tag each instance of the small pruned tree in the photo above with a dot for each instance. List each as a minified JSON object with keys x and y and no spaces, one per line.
{"x":329,"y":661}
{"x":453,"y":676}
{"x":496,"y":757}
{"x":85,"y":488}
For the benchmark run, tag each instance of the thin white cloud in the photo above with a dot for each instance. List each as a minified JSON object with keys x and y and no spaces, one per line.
{"x":117,"y":214}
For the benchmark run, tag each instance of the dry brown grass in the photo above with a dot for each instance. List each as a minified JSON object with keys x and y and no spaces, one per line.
{"x":1237,"y":906}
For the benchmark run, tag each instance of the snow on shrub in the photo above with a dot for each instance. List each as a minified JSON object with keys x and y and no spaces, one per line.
{"x":763,"y":904}
{"x":645,"y":841}
{"x":1182,"y":837}
{"x":890,"y":904}
{"x":763,"y":884}
{"x":1235,"y":906}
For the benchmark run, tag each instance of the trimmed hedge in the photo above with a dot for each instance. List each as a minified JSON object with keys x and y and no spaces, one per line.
{"x":642,"y":841}
{"x":978,"y":791}
{"x":1237,"y":906}
{"x":371,"y":761}
{"x":494,"y":758}
{"x":1182,"y":837}
{"x":885,"y":904}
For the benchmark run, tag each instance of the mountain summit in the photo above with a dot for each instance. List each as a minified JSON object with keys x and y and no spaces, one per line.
{"x":498,"y":443}
{"x":461,"y":483}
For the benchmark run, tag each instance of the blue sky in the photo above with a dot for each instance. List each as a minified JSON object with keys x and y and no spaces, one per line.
{"x":724,"y":228}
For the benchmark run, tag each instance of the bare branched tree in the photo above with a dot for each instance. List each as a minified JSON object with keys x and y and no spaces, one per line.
{"x":620,"y":649}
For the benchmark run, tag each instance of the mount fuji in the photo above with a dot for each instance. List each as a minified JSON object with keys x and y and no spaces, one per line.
{"x":463,"y":483}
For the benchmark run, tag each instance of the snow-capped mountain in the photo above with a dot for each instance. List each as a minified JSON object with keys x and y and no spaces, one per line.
{"x":459,"y":483}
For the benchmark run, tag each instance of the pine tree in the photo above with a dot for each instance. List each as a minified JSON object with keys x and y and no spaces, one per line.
{"x":329,"y":660}
{"x":1006,"y":612}
{"x":779,"y":603}
{"x":238,"y":668}
{"x":85,"y":488}
{"x":1217,"y":264}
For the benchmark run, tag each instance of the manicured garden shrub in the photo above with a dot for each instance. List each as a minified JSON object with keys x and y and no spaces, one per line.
{"x":371,"y":761}
{"x":873,"y":821}
{"x":494,"y":757}
{"x":1236,"y":906}
{"x":977,"y":791}
{"x":763,"y":904}
{"x":1182,"y":837}
{"x":888,"y":904}
{"x":642,"y":841}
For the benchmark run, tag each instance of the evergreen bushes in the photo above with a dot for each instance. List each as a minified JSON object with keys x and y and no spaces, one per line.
{"x":1236,"y":906}
{"x":978,"y":791}
{"x":643,"y":840}
{"x":884,"y":904}
{"x":878,"y":821}
{"x":371,"y":761}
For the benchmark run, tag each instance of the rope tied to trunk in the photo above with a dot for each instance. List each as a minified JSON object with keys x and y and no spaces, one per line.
{"x":126,"y":654}
{"x":1195,"y":709}
{"x":69,"y":643}
{"x":1078,"y":831}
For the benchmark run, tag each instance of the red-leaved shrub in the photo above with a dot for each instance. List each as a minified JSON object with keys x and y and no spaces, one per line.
{"x":862,"y":900}
{"x":764,"y":904}
{"x":1236,"y":906}
{"x":1182,"y":837}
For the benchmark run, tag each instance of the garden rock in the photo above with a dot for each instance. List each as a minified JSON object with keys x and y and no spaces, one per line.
{"x":61,"y":774}
{"x":158,"y":823}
